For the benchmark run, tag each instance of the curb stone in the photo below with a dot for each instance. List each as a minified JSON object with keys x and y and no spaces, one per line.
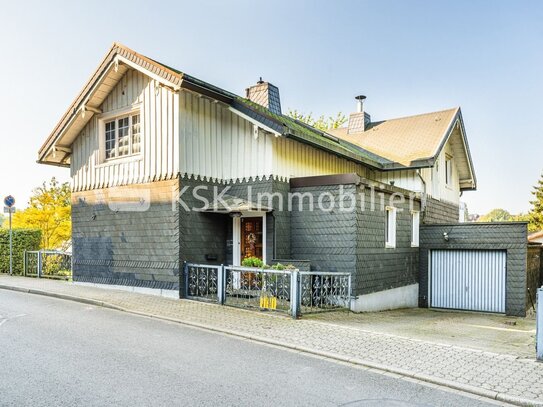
{"x":489,"y":394}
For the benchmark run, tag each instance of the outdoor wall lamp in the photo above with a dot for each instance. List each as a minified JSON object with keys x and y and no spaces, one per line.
{"x":446,"y":236}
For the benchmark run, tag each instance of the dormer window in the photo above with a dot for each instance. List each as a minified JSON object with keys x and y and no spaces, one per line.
{"x":122,"y":136}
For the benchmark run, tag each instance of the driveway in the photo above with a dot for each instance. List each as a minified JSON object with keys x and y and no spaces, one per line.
{"x":488,"y":332}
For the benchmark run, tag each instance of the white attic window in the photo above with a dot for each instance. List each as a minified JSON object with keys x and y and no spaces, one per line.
{"x":122,"y":135}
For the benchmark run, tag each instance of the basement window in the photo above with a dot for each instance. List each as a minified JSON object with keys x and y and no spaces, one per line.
{"x":122,"y":136}
{"x":415,"y":225}
{"x":390,"y":227}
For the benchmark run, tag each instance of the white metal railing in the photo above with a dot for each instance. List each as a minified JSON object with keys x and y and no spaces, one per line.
{"x":202,"y":281}
{"x":48,"y":264}
{"x":258,"y":288}
{"x":324,"y":291}
{"x":288,"y":290}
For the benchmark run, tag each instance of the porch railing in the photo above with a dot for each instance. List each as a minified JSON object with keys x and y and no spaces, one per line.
{"x":202,"y":281}
{"x":321,"y":291}
{"x":48,"y":264}
{"x":289,"y":291}
{"x":258,"y":288}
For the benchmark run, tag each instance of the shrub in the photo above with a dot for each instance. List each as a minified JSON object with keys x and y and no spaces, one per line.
{"x":252,"y":262}
{"x":23,"y":240}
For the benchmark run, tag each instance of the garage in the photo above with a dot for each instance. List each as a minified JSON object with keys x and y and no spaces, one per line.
{"x":473,"y":280}
{"x":477,"y":267}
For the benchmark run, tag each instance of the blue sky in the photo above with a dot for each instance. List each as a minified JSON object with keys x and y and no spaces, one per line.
{"x":408,"y":57}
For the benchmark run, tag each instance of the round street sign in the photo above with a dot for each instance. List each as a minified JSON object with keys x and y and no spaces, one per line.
{"x":9,"y":201}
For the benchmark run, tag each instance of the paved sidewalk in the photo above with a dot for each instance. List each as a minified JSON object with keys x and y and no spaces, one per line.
{"x":500,"y":377}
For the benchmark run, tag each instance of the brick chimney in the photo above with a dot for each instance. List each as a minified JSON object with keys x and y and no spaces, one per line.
{"x":359,"y":120}
{"x":265,"y":94}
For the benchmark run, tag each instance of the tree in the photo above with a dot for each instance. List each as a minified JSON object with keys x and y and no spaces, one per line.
{"x":535,"y":216}
{"x":496,"y":215}
{"x":320,"y":123}
{"x":50,"y":211}
{"x":501,"y":215}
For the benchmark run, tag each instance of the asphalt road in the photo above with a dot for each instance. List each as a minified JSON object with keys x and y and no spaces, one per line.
{"x":60,"y":353}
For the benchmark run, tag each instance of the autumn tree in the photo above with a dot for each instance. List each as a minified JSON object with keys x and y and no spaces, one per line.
{"x":49,"y":210}
{"x":321,"y":123}
{"x":535,"y":216}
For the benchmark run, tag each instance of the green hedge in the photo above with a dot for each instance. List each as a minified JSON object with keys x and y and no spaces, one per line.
{"x":23,"y":239}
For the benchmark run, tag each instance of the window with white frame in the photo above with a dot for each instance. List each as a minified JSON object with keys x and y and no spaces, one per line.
{"x":390,"y":227}
{"x":415,"y":225}
{"x":122,"y":136}
{"x":448,"y":170}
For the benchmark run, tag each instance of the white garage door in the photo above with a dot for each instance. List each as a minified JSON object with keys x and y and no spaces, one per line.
{"x":468,"y":279}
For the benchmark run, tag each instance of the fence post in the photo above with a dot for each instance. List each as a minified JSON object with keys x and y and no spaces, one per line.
{"x":350,"y":292}
{"x":221,"y":286}
{"x":295,"y":293}
{"x":539,"y":317}
{"x":183,"y":281}
{"x":40,"y":260}
{"x":24,"y":264}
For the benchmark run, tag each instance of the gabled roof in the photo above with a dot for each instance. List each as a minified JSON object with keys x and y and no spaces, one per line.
{"x":416,"y":141}
{"x":411,"y":142}
{"x":56,"y":149}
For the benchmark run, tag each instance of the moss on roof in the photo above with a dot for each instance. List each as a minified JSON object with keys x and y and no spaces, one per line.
{"x":310,"y":134}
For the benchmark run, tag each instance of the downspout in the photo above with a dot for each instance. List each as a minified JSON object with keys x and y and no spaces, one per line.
{"x":423,"y":200}
{"x":274,"y":239}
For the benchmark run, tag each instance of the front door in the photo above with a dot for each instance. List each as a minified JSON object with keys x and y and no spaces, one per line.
{"x":252,"y":237}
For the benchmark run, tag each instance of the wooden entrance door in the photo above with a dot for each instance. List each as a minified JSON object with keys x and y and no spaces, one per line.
{"x":251,"y":238}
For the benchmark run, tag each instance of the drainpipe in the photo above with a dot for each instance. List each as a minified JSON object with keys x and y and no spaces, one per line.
{"x":274,"y":239}
{"x":423,"y":200}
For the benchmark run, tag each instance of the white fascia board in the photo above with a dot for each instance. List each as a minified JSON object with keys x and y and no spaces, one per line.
{"x":253,"y":121}
{"x":160,"y":79}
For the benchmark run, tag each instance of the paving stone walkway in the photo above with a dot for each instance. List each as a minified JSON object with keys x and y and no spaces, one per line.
{"x":501,"y":377}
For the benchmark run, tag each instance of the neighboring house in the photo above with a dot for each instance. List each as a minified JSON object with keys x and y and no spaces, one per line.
{"x":536,"y":237}
{"x":140,"y":134}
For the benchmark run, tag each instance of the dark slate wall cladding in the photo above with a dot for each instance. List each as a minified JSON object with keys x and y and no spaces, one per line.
{"x":127,"y":248}
{"x":440,"y":212}
{"x":380,"y":268}
{"x":205,"y":234}
{"x":327,"y":239}
{"x":481,"y":236}
{"x":282,"y":223}
{"x":202,"y":235}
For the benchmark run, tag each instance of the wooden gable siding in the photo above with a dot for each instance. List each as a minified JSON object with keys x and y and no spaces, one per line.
{"x":159,"y":119}
{"x":217,"y":144}
{"x":406,"y":179}
{"x":295,"y":159}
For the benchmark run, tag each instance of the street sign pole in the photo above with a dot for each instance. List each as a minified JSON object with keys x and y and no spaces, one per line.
{"x":9,"y":201}
{"x":10,"y":246}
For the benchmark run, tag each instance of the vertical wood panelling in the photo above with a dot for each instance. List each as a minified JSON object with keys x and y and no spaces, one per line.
{"x":407,"y":179}
{"x":293,"y":159}
{"x":217,"y":144}
{"x":159,"y":120}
